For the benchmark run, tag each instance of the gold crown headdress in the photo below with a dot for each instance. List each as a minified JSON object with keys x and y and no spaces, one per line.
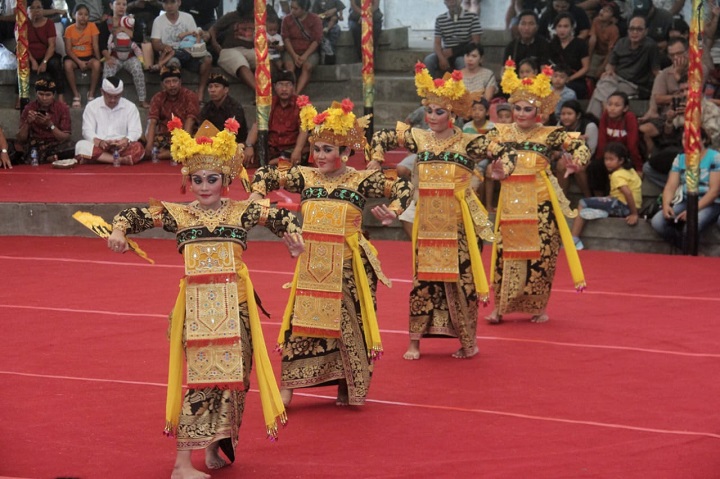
{"x":448,"y":91}
{"x":210,"y":149}
{"x":537,"y":90}
{"x":337,"y":125}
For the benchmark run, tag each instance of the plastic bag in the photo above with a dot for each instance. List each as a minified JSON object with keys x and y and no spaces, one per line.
{"x":7,"y":59}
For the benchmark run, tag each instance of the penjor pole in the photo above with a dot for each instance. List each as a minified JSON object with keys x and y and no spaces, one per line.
{"x":23,"y":54}
{"x":368,"y":64}
{"x":263,"y":83}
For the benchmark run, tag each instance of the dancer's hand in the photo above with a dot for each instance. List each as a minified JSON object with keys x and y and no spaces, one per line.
{"x":384,"y":214}
{"x":570,"y":166}
{"x":498,"y":172}
{"x":373,"y":165}
{"x":294,"y":243}
{"x":117,"y":241}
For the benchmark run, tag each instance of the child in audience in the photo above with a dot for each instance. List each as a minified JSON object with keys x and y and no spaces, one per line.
{"x":275,"y":43}
{"x":503,"y":113}
{"x":625,"y":193}
{"x":122,"y":40}
{"x":480,"y":124}
{"x":559,"y":79}
{"x":83,"y":52}
{"x":330,"y":11}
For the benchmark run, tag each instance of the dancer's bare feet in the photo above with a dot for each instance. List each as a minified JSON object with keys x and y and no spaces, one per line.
{"x":212,"y":457}
{"x":540,"y":318}
{"x":342,"y":396}
{"x":413,"y":350}
{"x":183,"y":468}
{"x":286,"y":396}
{"x":494,"y":317}
{"x":461,"y":354}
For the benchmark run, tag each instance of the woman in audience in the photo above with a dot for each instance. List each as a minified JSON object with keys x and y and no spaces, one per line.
{"x":41,"y":46}
{"x":302,"y":33}
{"x":566,"y":49}
{"x":475,"y":76}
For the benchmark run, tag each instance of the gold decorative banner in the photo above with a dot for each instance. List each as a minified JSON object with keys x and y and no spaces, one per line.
{"x":693,"y":108}
{"x":103,"y":229}
{"x":22,"y":51}
{"x":368,"y":54}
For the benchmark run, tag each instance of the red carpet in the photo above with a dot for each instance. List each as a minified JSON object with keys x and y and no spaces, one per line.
{"x":621,"y":383}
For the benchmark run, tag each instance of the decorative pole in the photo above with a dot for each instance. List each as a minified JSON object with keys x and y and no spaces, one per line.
{"x":368,"y":62}
{"x":691,"y":136}
{"x":263,"y":82}
{"x":22,"y":52}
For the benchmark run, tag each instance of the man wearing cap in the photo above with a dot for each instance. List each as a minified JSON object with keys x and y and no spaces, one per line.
{"x":222,"y":106}
{"x":174,"y":100}
{"x":110,"y":123}
{"x":285,"y":138}
{"x":44,"y":124}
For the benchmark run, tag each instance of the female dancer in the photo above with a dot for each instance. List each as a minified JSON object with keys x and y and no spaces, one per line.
{"x":212,"y":235}
{"x":531,"y":206}
{"x":449,"y":278}
{"x":329,"y":333}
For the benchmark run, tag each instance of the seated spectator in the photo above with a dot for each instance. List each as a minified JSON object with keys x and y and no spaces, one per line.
{"x":481,"y":124}
{"x":548,"y":20}
{"x":169,"y":30}
{"x":302,"y":33}
{"x":174,"y":100}
{"x":503,"y":113}
{"x":625,"y":193}
{"x":4,"y":151}
{"x":604,"y":33}
{"x":573,"y":119}
{"x":110,"y":123}
{"x":618,"y":124}
{"x":571,"y":53}
{"x":223,"y":106}
{"x":7,"y":23}
{"x":41,"y":48}
{"x":559,"y":79}
{"x":145,"y":12}
{"x":632,"y":66}
{"x":44,"y":124}
{"x":232,"y":38}
{"x":330,"y":12}
{"x":285,"y":138}
{"x":671,"y":222}
{"x":203,"y":11}
{"x":83,"y":53}
{"x":659,"y":22}
{"x":276,"y":47}
{"x":355,"y":24}
{"x":114,"y":53}
{"x":475,"y":77}
{"x":98,"y":11}
{"x":516,"y":8}
{"x":528,"y":43}
{"x":453,"y":30}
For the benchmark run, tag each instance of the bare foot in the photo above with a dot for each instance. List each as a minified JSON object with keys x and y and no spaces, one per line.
{"x":494,"y":317}
{"x":183,"y":468}
{"x":342,"y":396}
{"x":540,"y":318}
{"x":461,"y":354}
{"x":126,"y":160}
{"x":212,"y":457}
{"x":286,"y":396}
{"x":413,"y":351}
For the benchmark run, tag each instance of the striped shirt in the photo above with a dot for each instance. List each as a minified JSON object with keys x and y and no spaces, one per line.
{"x":458,"y":30}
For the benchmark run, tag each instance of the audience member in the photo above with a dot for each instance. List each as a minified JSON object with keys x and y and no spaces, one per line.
{"x":223,"y":106}
{"x":481,"y":124}
{"x":83,"y":53}
{"x":169,"y":30}
{"x":453,"y":30}
{"x":112,"y":55}
{"x":671,"y":222}
{"x":7,"y":22}
{"x":41,"y":48}
{"x":355,"y":24}
{"x":572,"y":53}
{"x":475,"y":76}
{"x":203,"y":11}
{"x":503,"y":113}
{"x":44,"y":124}
{"x":516,"y":8}
{"x":145,"y":12}
{"x":633,"y":64}
{"x":625,"y":193}
{"x":4,"y":151}
{"x":548,"y":20}
{"x":302,"y":33}
{"x":559,"y":79}
{"x":604,"y":33}
{"x":330,"y":11}
{"x":110,"y":124}
{"x":528,"y":43}
{"x":285,"y":137}
{"x":232,"y":38}
{"x":174,"y":100}
{"x":574,"y":120}
{"x":276,"y":46}
{"x":658,"y":23}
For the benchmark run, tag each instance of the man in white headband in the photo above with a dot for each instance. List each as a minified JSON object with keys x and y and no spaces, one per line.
{"x":110,"y":123}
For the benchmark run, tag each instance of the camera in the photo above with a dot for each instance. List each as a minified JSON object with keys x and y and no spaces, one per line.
{"x":675,"y":103}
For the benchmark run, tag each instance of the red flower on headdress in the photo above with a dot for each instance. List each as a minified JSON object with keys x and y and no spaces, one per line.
{"x":204,"y":140}
{"x":347,"y":105}
{"x":457,"y":75}
{"x":419,"y":66}
{"x":527,"y":81}
{"x":232,"y":125}
{"x":439,"y":82}
{"x":320,"y":118}
{"x":547,"y":70}
{"x":510,"y":63}
{"x":302,"y":101}
{"x":175,"y":122}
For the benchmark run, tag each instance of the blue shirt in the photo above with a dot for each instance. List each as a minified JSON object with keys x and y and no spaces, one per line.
{"x":710,"y":163}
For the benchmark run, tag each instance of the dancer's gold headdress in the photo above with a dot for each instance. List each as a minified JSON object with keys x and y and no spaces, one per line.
{"x":337,"y":125}
{"x":448,"y":91}
{"x":537,"y":91}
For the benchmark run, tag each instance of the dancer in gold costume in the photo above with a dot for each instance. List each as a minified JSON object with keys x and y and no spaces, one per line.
{"x":330,"y":333}
{"x":215,"y":319}
{"x":530,"y":221}
{"x":449,"y":278}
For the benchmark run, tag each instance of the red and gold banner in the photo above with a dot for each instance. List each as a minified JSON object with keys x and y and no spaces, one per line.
{"x":368,"y":61}
{"x":23,"y":54}
{"x":693,"y":110}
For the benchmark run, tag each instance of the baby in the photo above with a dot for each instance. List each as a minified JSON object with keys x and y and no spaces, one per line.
{"x":121,"y":42}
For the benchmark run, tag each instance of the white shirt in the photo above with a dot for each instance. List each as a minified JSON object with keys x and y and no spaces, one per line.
{"x":167,"y":32}
{"x":99,"y":121}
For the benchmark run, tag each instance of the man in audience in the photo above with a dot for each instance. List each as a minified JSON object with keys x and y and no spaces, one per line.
{"x":175,"y":26}
{"x":174,"y":100}
{"x":7,"y":21}
{"x":454,"y":29}
{"x":633,"y":64}
{"x":659,"y":21}
{"x":222,"y":106}
{"x":232,"y":38}
{"x":110,"y":123}
{"x":203,"y":11}
{"x":528,"y":43}
{"x":285,"y":138}
{"x":44,"y":124}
